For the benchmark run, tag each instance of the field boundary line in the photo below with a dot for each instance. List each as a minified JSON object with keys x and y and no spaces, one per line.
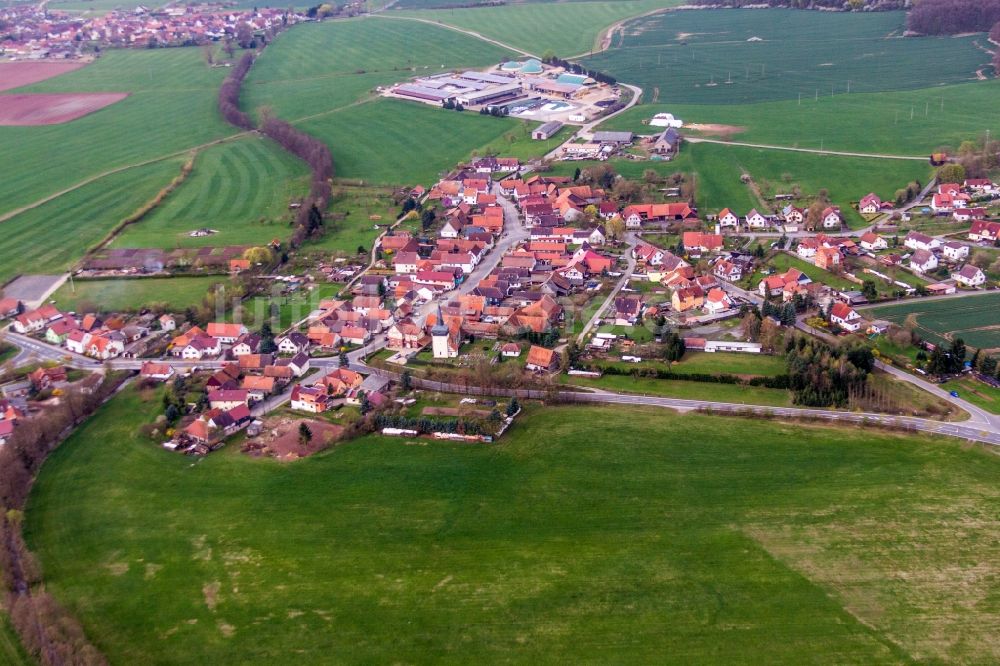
{"x":603,"y":40}
{"x":135,"y":165}
{"x":814,"y":151}
{"x":470,"y":33}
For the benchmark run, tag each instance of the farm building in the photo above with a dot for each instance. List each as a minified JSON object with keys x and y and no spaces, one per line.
{"x":613,"y":137}
{"x":546,"y":131}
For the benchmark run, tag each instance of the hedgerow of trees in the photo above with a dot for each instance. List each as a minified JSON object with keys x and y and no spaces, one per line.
{"x":46,"y":629}
{"x":949,"y":17}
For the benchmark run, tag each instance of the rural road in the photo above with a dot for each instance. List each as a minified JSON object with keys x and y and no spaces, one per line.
{"x":631,"y":240}
{"x":815,"y":151}
{"x":470,"y":33}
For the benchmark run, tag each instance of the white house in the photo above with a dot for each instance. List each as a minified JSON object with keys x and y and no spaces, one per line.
{"x":717,"y":301}
{"x":757,"y":221}
{"x":918,"y":241}
{"x":793,"y":216}
{"x":980,"y":185}
{"x":293,"y":343}
{"x":226,"y":333}
{"x":226,"y":399}
{"x":728,"y":218}
{"x":451,"y":229}
{"x":870,"y":204}
{"x":970,"y":276}
{"x":872,"y":242}
{"x":201,"y":347}
{"x":845,"y":316}
{"x":405,"y":263}
{"x":954,"y":252}
{"x":923,"y":261}
{"x":830,"y":218}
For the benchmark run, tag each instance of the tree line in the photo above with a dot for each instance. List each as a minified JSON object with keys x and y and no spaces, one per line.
{"x":317,"y":155}
{"x":949,"y":17}
{"x":229,"y":94}
{"x":309,"y":149}
{"x":47,"y":630}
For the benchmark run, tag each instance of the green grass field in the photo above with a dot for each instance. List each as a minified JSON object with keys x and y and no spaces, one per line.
{"x":745,"y":56}
{"x":172,"y":107}
{"x":878,"y":123}
{"x":976,"y":392}
{"x":240,"y":189}
{"x":131,"y":295}
{"x":621,"y":535}
{"x":717,"y":170}
{"x":55,"y":235}
{"x":567,"y":28}
{"x":358,"y":204}
{"x":11,"y":651}
{"x":732,"y":364}
{"x":783,"y":261}
{"x":972,"y":318}
{"x":687,"y":390}
{"x":402,"y":143}
{"x":317,"y":68}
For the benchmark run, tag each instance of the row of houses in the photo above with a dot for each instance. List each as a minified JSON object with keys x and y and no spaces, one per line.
{"x":90,"y":335}
{"x":791,"y":218}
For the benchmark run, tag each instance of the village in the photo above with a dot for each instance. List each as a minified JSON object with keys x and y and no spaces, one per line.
{"x":36,"y":32}
{"x":530,"y":276}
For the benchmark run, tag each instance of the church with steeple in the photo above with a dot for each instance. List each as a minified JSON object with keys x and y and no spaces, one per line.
{"x":444,"y":343}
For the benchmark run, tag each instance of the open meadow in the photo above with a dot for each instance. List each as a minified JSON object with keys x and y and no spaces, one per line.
{"x":620,"y":535}
{"x":171,"y":108}
{"x":55,"y":235}
{"x":717,"y":170}
{"x":132,"y":295}
{"x":394,"y":142}
{"x":566,"y":28}
{"x":908,"y":122}
{"x":316,"y":68}
{"x":744,"y":56}
{"x":241,"y":189}
{"x":972,"y":318}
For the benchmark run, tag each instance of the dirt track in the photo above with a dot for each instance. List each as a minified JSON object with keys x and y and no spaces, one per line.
{"x":28,"y":110}
{"x":17,"y":74}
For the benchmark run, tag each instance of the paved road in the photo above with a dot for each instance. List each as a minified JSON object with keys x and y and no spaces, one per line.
{"x":631,"y":240}
{"x":587,"y":130}
{"x":972,"y":430}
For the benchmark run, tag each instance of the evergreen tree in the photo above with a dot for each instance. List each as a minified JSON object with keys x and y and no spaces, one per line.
{"x":305,"y":434}
{"x":267,"y":345}
{"x":512,"y":407}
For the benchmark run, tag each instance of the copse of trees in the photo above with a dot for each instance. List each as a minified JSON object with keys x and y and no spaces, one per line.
{"x":950,"y":17}
{"x":229,"y":94}
{"x":824,"y":376}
